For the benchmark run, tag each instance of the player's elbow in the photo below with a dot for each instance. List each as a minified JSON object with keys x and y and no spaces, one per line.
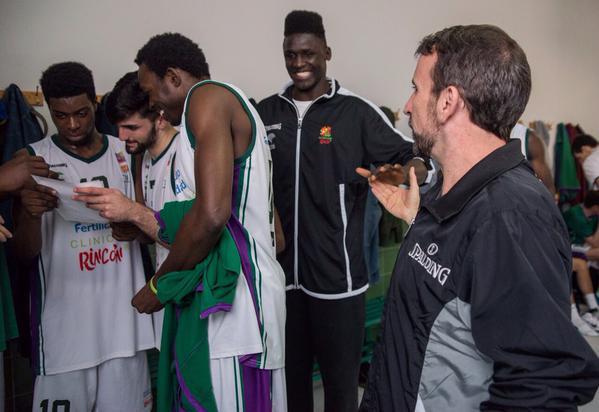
{"x":213,"y":222}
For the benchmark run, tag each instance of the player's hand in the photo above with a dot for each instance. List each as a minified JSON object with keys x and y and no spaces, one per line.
{"x":111,"y":203}
{"x":400,"y":202}
{"x":124,"y":231}
{"x":390,"y":174}
{"x":4,"y":232}
{"x":16,"y":173}
{"x":145,"y":301}
{"x":38,"y":199}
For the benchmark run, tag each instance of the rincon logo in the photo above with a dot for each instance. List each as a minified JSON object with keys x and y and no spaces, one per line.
{"x":432,"y":249}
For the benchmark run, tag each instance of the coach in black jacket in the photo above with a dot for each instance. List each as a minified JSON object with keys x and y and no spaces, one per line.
{"x":319,"y":133}
{"x":478,"y":311}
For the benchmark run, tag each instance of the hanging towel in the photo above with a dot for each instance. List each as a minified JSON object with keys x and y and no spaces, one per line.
{"x":566,"y":181}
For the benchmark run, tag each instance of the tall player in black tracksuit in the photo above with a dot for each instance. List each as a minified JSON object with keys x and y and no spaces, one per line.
{"x":319,"y":133}
{"x":478,"y":311}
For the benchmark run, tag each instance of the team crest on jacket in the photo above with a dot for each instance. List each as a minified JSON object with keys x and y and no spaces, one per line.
{"x":325,"y":135}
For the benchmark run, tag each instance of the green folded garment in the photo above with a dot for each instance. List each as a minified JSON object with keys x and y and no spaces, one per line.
{"x":190,"y":296}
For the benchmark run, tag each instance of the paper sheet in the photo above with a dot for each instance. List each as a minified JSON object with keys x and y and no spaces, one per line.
{"x":69,"y":209}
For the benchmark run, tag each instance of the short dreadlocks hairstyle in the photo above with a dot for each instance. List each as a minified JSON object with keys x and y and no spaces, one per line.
{"x":303,"y":21}
{"x":67,"y":79}
{"x":126,"y":99}
{"x":173,"y":50}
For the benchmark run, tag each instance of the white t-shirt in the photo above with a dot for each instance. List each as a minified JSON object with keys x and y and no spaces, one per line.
{"x":302,"y":106}
{"x":590,"y":166}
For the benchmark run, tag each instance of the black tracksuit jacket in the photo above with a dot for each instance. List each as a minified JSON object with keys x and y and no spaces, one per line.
{"x":317,"y":192}
{"x":478,"y":311}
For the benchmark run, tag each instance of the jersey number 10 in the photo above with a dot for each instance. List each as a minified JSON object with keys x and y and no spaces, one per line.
{"x":66,"y":405}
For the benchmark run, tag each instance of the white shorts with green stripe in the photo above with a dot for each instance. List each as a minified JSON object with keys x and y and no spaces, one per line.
{"x":238,"y":388}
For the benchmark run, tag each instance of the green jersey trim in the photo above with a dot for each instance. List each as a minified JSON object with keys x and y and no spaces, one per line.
{"x":173,"y":185}
{"x":42,"y":297}
{"x":76,"y":156}
{"x":190,"y":134}
{"x":168,"y":146}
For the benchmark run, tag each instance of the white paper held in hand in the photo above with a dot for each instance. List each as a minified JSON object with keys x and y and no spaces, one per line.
{"x":69,"y":209}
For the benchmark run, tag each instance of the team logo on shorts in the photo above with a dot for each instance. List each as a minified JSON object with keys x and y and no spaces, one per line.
{"x":325,"y":135}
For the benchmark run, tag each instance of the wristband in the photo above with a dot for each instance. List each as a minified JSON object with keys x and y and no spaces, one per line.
{"x":152,"y":287}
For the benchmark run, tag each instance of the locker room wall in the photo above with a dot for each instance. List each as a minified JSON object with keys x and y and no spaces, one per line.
{"x":373,"y":43}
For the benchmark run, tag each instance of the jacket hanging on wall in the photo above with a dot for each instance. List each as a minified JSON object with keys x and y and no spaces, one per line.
{"x":20,"y":129}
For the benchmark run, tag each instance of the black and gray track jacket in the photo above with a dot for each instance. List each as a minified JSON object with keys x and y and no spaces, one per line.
{"x":478,"y":311}
{"x":317,"y":192}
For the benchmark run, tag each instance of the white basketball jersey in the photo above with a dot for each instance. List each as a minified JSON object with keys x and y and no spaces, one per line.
{"x":158,"y":185}
{"x":158,"y":188}
{"x":81,"y":298}
{"x":256,"y":324}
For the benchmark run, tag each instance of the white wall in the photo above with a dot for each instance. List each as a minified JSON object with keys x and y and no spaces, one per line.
{"x":372,"y":41}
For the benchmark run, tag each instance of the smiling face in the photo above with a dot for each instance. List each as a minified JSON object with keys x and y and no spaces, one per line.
{"x":162,"y":93}
{"x":421,"y":106}
{"x":138,"y":133}
{"x":306,"y":58}
{"x":74,"y":118}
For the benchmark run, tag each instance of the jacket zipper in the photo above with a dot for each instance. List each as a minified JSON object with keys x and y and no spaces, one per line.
{"x":296,"y":189}
{"x":296,"y":200}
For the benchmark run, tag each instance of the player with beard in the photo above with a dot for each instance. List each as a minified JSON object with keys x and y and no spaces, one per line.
{"x":145,"y":132}
{"x":140,"y":126}
{"x":478,"y":311}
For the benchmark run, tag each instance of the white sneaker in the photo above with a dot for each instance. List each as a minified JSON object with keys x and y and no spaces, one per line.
{"x":591,"y":320}
{"x":583,"y":327}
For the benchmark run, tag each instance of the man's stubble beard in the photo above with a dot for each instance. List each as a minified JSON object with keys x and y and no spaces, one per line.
{"x":424,"y":141}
